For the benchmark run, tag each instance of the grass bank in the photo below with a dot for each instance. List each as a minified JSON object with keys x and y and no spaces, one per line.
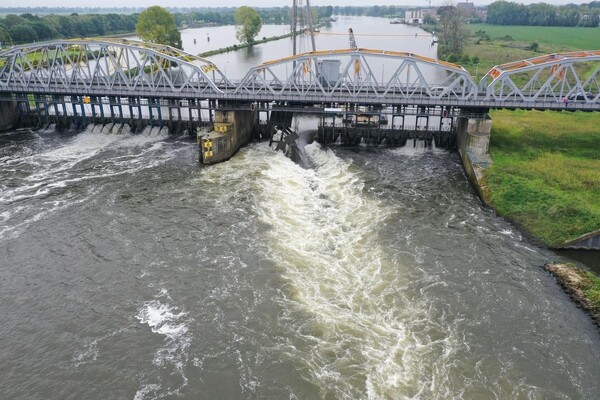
{"x":582,"y":286}
{"x":546,"y":172}
{"x":243,"y":45}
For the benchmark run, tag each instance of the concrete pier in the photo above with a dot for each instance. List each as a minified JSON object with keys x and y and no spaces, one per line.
{"x":231,"y":130}
{"x":473,"y":139}
{"x":8,"y":115}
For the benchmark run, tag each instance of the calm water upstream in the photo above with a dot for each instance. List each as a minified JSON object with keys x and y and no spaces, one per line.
{"x":128,"y":271}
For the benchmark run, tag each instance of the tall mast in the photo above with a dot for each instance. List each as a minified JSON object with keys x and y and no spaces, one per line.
{"x":294,"y":21}
{"x":303,"y":14}
{"x":310,"y":25}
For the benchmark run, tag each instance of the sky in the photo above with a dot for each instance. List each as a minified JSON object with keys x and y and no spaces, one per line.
{"x":235,"y":3}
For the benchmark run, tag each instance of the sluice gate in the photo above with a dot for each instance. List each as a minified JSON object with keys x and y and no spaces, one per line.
{"x":76,"y":112}
{"x":392,"y":127}
{"x":385,"y":137}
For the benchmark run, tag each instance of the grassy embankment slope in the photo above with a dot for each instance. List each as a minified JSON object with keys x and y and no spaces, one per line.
{"x":582,"y":286}
{"x":546,"y":171}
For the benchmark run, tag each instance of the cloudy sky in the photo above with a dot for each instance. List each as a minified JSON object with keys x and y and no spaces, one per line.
{"x":231,"y":3}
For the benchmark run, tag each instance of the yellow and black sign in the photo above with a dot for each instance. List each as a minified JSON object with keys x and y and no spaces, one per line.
{"x":208,"y":148}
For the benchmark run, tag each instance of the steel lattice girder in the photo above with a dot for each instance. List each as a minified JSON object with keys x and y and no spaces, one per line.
{"x":349,"y":72}
{"x":107,"y":66}
{"x":574,"y":75}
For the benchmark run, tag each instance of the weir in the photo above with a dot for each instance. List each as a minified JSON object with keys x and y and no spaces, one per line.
{"x":73,"y":83}
{"x":391,"y":126}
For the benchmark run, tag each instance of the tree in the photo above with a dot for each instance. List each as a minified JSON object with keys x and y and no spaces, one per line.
{"x":5,"y":38}
{"x":44,"y":30}
{"x":157,"y":25}
{"x":23,"y":33}
{"x":13,"y":20}
{"x":429,"y":20}
{"x":247,"y":24}
{"x":453,"y":33}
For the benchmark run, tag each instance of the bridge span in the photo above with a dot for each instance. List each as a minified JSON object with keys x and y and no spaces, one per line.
{"x":128,"y":68}
{"x":123,"y":81}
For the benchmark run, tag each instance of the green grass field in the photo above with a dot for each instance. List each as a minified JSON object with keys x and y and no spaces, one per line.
{"x":546,"y":172}
{"x":550,"y":38}
{"x":499,"y":50}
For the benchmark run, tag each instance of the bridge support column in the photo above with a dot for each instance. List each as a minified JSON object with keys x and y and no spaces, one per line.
{"x":231,"y":130}
{"x":8,"y":115}
{"x":473,"y":139}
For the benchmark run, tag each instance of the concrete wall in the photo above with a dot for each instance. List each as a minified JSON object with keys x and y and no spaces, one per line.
{"x":232,"y":130}
{"x":8,"y":115}
{"x":589,"y":241}
{"x":473,"y":139}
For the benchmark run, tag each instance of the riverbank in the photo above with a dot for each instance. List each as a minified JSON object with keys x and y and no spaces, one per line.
{"x":236,"y":47}
{"x":582,"y":286}
{"x":545,"y":175}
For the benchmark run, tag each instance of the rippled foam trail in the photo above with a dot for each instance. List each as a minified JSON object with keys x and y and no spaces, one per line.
{"x":53,"y":176}
{"x":355,"y":334}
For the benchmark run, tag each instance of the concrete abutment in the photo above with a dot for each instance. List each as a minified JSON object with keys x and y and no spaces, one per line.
{"x":473,"y":139}
{"x":8,"y":115}
{"x":231,"y":131}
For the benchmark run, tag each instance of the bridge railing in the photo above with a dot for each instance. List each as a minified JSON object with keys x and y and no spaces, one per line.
{"x":568,"y":77}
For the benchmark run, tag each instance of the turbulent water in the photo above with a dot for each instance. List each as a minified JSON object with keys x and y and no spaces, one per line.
{"x":128,"y":271}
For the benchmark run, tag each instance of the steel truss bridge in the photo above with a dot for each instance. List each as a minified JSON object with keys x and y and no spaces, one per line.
{"x":129,"y":69}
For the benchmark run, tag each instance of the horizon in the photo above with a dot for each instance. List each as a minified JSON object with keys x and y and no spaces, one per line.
{"x":237,"y":3}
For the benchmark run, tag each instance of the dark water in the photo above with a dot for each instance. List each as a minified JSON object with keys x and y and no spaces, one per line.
{"x":591,"y":259}
{"x":129,"y":271}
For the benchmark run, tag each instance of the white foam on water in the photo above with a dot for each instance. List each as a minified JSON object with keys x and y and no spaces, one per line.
{"x":173,"y":324}
{"x":409,"y":149}
{"x":163,"y":319}
{"x":145,"y":391}
{"x":107,"y":128}
{"x":69,"y":164}
{"x":91,"y":351}
{"x":13,"y":231}
{"x":354,"y":330}
{"x":83,"y":145}
{"x":126,"y":129}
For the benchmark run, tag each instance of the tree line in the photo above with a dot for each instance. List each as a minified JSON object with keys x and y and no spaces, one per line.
{"x":542,"y":14}
{"x":28,"y":28}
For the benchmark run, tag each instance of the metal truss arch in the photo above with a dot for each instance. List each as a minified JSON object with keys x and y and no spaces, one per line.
{"x":113,"y":67}
{"x":353,"y":72}
{"x":552,"y":77}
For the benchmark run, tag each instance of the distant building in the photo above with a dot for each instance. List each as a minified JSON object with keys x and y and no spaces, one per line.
{"x":413,"y":17}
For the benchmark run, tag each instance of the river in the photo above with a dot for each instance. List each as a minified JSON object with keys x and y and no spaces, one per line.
{"x":129,"y":271}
